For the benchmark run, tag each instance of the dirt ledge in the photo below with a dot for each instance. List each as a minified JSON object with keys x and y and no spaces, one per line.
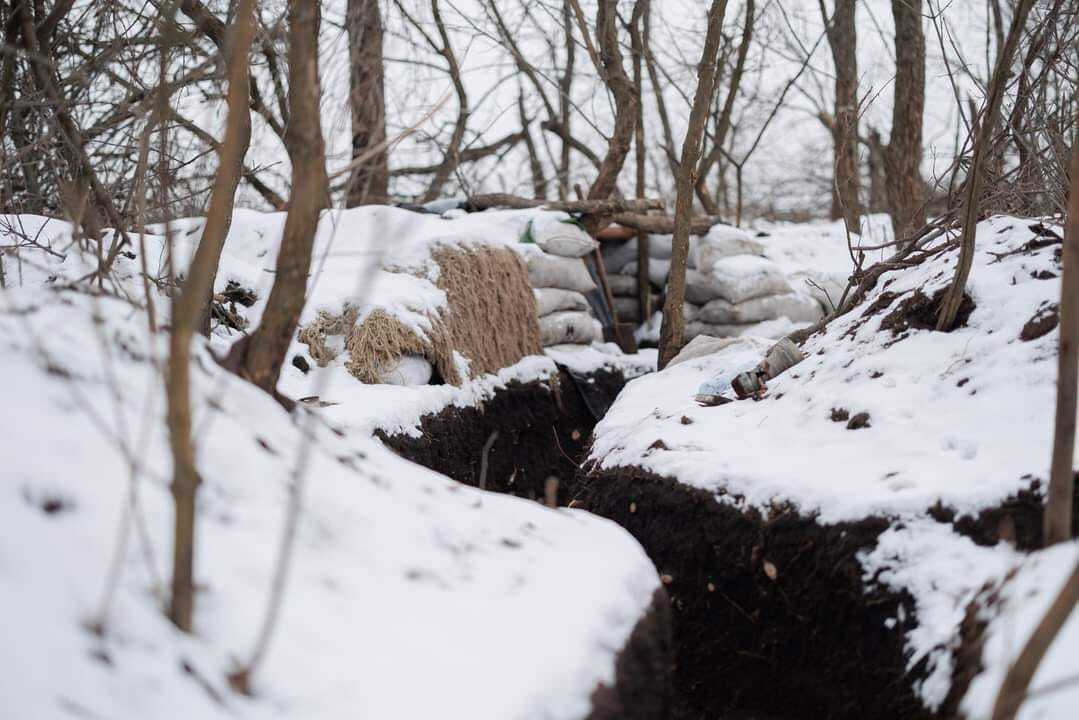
{"x":771,"y":616}
{"x":643,"y":670}
{"x":542,"y":428}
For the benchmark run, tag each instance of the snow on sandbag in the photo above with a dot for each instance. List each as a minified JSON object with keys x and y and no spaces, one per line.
{"x":703,"y":346}
{"x":623,"y":285}
{"x":551,"y":271}
{"x":771,"y":329}
{"x":658,"y":270}
{"x":693,"y":329}
{"x":409,"y":371}
{"x":567,"y":327}
{"x":744,"y":277}
{"x":824,"y":287}
{"x":549,"y":300}
{"x":794,"y":306}
{"x":562,"y":237}
{"x":724,"y":241}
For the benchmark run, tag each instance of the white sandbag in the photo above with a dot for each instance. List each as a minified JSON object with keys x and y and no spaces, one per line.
{"x":562,"y":237}
{"x":690,"y":312}
{"x":703,"y":346}
{"x":824,"y":287}
{"x":658,"y":270}
{"x":700,"y":288}
{"x":796,"y":307}
{"x":628,"y":309}
{"x":409,"y":370}
{"x":567,"y":327}
{"x":744,"y":277}
{"x":693,"y":329}
{"x":661,"y":247}
{"x":549,"y":300}
{"x":616,"y":256}
{"x":622,"y":285}
{"x":724,"y":241}
{"x":551,"y":271}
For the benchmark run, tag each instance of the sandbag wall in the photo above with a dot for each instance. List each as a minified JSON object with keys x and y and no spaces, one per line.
{"x":620,"y":260}
{"x":554,"y":251}
{"x":732,"y":289}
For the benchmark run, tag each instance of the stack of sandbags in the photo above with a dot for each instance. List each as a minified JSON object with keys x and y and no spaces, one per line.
{"x":560,"y":279}
{"x":741,"y":292}
{"x":620,"y":260}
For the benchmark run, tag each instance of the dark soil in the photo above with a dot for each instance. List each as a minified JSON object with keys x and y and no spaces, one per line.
{"x":643,"y":670}
{"x":771,"y":616}
{"x":542,"y":430}
{"x":1045,"y":320}
{"x":920,"y":311}
{"x":1018,"y":520}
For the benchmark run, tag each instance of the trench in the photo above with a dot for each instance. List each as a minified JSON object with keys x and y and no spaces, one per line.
{"x":765,"y":617}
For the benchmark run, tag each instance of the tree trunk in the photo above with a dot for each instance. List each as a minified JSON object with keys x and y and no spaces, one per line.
{"x":672,"y":330}
{"x":878,"y":183}
{"x":1058,"y":507}
{"x":187,"y":309}
{"x":565,"y":88}
{"x":452,"y":156}
{"x":982,"y":147}
{"x":644,"y":288}
{"x":903,"y":156}
{"x":842,"y":37}
{"x":259,"y":356}
{"x":369,"y":182}
{"x":625,"y":100}
{"x":723,"y":120}
{"x":1014,"y":688}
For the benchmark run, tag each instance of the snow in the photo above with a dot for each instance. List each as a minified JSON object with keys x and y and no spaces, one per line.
{"x":942,"y":571}
{"x":1021,"y":604}
{"x":409,"y":595}
{"x":587,"y":359}
{"x":960,"y":419}
{"x":945,"y":573}
{"x":920,"y":392}
{"x":367,"y":257}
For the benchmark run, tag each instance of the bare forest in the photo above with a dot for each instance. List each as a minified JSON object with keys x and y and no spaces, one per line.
{"x":566,"y":359}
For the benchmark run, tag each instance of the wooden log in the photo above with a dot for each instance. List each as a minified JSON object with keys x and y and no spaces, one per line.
{"x":661,"y":224}
{"x":608,"y":206}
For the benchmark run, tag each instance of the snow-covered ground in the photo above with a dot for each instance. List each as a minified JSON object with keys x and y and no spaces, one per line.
{"x":960,"y":419}
{"x":408,"y":596}
{"x":920,"y":388}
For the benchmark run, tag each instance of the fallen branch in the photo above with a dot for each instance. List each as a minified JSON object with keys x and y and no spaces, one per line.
{"x":662,"y":224}
{"x":609,"y":206}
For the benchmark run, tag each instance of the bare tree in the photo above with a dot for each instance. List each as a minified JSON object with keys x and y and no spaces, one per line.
{"x":1014,"y":688}
{"x":723,"y":117}
{"x":259,"y":356}
{"x":638,"y":33}
{"x":608,"y":62}
{"x":949,"y":308}
{"x":1058,"y":506}
{"x":188,"y":307}
{"x":673,"y":326}
{"x":369,"y":181}
{"x":842,"y":38}
{"x":903,"y":156}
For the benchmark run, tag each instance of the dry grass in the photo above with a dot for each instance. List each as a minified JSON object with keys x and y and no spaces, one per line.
{"x":490,"y":319}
